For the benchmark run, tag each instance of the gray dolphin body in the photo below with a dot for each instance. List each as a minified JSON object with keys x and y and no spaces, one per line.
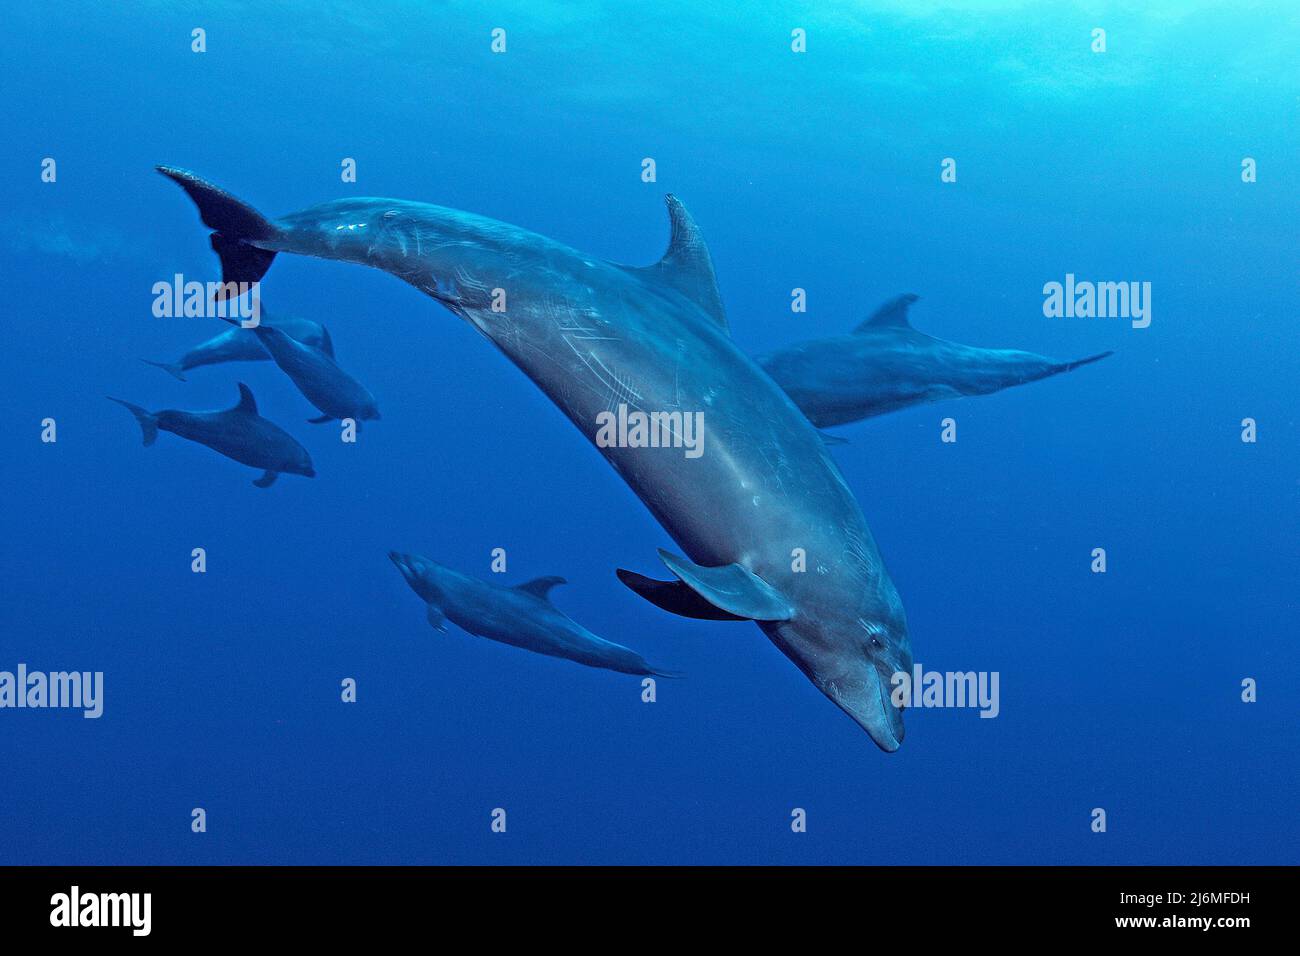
{"x":594,"y":335}
{"x":241,"y":345}
{"x":521,"y":616}
{"x":317,"y":375}
{"x":886,"y":365}
{"x":238,"y":432}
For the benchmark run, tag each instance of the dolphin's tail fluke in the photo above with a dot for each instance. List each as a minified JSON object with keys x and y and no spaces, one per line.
{"x":670,"y":675}
{"x":171,"y":368}
{"x":1071,"y":366}
{"x":147,"y":419}
{"x":235,"y":226}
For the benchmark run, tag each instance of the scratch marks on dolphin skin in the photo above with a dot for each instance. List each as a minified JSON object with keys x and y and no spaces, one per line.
{"x":777,"y":463}
{"x":620,"y":388}
{"x":858,"y":549}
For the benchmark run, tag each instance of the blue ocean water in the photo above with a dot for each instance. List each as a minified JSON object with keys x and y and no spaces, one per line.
{"x":818,"y":170}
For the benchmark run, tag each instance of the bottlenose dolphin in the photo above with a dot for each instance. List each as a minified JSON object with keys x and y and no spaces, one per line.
{"x":521,"y":616}
{"x":764,"y":500}
{"x":241,"y":345}
{"x":886,"y":365}
{"x":238,"y":432}
{"x":315,"y":373}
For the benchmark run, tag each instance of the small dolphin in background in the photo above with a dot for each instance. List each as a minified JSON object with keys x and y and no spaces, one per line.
{"x":241,"y":345}
{"x":522,"y":616}
{"x":886,"y":365}
{"x":239,"y":433}
{"x":315,"y":373}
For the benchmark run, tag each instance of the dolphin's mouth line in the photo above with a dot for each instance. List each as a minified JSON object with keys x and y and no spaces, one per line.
{"x":886,"y":706}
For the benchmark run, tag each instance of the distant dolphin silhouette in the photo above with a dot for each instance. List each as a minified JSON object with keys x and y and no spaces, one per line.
{"x":594,"y":335}
{"x":317,"y":375}
{"x":522,"y":616}
{"x":886,"y":365}
{"x":241,"y":345}
{"x":239,"y":433}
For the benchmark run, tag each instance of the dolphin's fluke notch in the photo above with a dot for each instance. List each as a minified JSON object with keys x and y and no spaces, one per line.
{"x":235,"y":227}
{"x":731,"y":588}
{"x":147,"y":419}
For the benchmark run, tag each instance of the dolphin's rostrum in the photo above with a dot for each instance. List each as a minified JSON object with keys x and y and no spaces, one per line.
{"x":593,"y":334}
{"x":237,"y":432}
{"x":522,"y":616}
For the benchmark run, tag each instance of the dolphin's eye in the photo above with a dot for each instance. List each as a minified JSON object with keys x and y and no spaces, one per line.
{"x":875,"y":641}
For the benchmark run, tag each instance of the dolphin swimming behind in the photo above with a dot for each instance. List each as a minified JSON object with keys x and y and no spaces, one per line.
{"x":317,"y":375}
{"x":238,"y":432}
{"x":241,"y":345}
{"x":886,"y":365}
{"x":522,"y":616}
{"x":599,"y":337}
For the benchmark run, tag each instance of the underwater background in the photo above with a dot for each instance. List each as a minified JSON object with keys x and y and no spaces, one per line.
{"x":816,"y":170}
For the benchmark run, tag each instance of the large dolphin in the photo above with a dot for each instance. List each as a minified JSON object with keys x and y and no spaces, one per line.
{"x":886,"y":365}
{"x":241,"y":345}
{"x":522,"y":616}
{"x":317,"y":375}
{"x":762,"y":503}
{"x":238,"y":432}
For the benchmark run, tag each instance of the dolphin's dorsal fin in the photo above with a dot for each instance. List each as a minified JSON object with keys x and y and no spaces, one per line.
{"x":687,"y":266}
{"x":246,"y":401}
{"x":892,"y":314}
{"x":326,"y":343}
{"x":540,"y":587}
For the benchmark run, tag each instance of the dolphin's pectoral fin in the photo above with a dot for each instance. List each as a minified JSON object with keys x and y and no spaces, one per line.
{"x":436,"y":619}
{"x":540,"y":587}
{"x":321,"y":420}
{"x":892,"y":314}
{"x":267,"y":479}
{"x":686,"y":266}
{"x":675,"y":597}
{"x":732,"y":588}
